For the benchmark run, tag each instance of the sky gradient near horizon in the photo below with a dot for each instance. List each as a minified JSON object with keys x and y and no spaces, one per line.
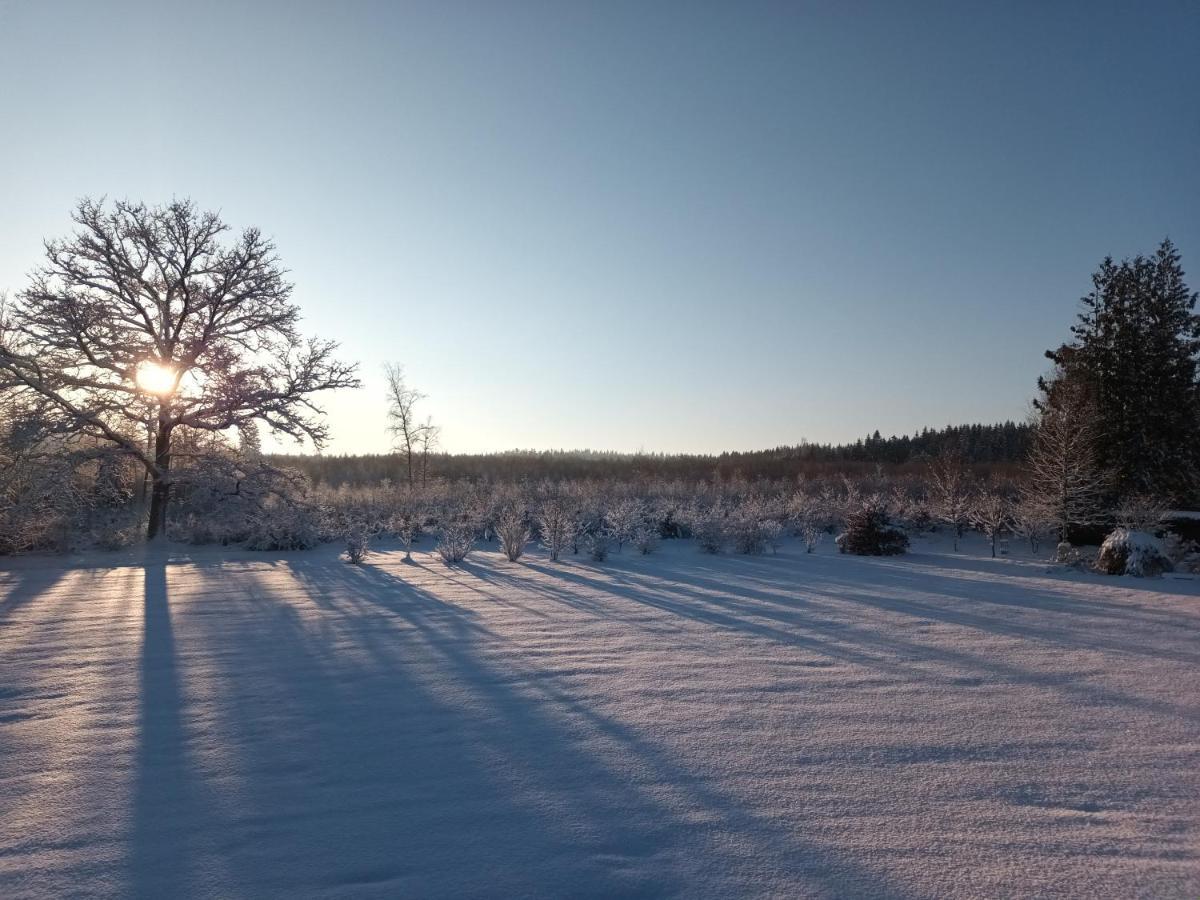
{"x":669,"y":227}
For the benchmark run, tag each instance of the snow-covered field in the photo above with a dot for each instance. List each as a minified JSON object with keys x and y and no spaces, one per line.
{"x":210,"y":723}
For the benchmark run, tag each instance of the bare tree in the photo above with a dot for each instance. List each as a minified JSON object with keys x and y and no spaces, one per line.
{"x":1141,"y":512}
{"x":429,"y":441}
{"x":146,"y":313}
{"x":402,"y":417}
{"x":1030,"y":518}
{"x":992,"y":513}
{"x":951,"y":490}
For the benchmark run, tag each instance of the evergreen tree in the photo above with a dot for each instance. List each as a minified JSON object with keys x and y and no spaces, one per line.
{"x":1136,"y":348}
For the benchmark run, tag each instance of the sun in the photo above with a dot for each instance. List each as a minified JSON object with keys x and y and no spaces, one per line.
{"x":154,"y":378}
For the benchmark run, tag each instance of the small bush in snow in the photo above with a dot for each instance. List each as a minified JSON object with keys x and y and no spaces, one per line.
{"x":869,"y":531}
{"x":623,"y":519}
{"x":283,"y":527}
{"x":1126,"y":552}
{"x":456,"y":541}
{"x":358,"y":544}
{"x":646,"y":540}
{"x":812,"y":536}
{"x":598,"y":544}
{"x":512,"y":529}
{"x":708,"y":528}
{"x":773,"y":532}
{"x":406,"y":526}
{"x":992,"y":513}
{"x":557,"y":526}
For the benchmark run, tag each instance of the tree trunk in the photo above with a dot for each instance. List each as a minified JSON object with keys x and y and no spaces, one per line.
{"x":160,"y":491}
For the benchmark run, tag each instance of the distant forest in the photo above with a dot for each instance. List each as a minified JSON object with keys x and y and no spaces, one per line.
{"x":1001,"y":447}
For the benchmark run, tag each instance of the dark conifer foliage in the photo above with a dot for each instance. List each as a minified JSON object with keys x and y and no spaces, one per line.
{"x":1003,"y":444}
{"x":1136,"y":348}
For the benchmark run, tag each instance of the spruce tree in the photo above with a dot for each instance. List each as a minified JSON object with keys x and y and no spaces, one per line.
{"x":1136,"y":348}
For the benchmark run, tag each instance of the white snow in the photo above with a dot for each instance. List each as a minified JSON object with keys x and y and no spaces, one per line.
{"x":224,"y":724}
{"x":1141,"y":553}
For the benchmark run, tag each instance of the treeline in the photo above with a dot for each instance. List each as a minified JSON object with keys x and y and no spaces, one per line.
{"x":1000,"y":447}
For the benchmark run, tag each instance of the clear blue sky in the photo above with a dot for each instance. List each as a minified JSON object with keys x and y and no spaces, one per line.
{"x":665,"y":226}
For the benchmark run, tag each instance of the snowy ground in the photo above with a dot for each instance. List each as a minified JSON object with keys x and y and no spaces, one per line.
{"x":226,"y":724}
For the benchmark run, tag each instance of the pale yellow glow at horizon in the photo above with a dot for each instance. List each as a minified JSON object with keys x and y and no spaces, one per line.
{"x":154,"y":378}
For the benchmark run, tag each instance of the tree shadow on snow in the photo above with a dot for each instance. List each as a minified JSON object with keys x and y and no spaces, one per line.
{"x":458,"y":769}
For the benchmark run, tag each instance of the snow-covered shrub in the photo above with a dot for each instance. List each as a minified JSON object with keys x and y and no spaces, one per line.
{"x":116,"y":531}
{"x":220,"y":497}
{"x":456,"y":541}
{"x":870,"y":532}
{"x":623,"y":519}
{"x":557,"y":527}
{"x":598,"y":544}
{"x":811,"y":535}
{"x":1065,"y":553}
{"x":773,"y":531}
{"x":42,"y":495}
{"x":1031,"y":519}
{"x":1127,"y":552}
{"x":512,"y":529}
{"x":750,"y":528}
{"x":646,"y":539}
{"x":283,"y":526}
{"x":406,"y":526}
{"x":708,"y":527}
{"x":358,"y":544}
{"x":812,"y":515}
{"x":992,"y":513}
{"x":747,"y":530}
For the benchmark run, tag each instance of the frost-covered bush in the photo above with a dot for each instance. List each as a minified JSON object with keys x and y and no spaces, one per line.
{"x":870,"y":532}
{"x":623,"y":519}
{"x":116,"y":530}
{"x":1127,"y":552}
{"x":221,"y":497}
{"x":598,"y":544}
{"x":406,"y":526}
{"x":992,"y":513}
{"x":773,"y":530}
{"x":358,"y":544}
{"x":283,"y":526}
{"x":44,"y":492}
{"x":1031,"y":520}
{"x":557,"y":527}
{"x":749,"y":529}
{"x":512,"y":529}
{"x":456,"y":541}
{"x":812,"y":536}
{"x":708,"y":527}
{"x":646,"y":539}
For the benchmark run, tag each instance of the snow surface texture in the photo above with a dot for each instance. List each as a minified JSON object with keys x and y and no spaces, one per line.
{"x":223,"y":724}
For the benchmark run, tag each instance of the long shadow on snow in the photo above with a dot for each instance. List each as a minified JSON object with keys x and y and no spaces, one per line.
{"x":786,"y":617}
{"x":166,"y":803}
{"x":1091,"y":624}
{"x":513,"y":739}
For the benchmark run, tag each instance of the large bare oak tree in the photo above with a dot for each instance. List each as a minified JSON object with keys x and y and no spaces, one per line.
{"x":153,"y":318}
